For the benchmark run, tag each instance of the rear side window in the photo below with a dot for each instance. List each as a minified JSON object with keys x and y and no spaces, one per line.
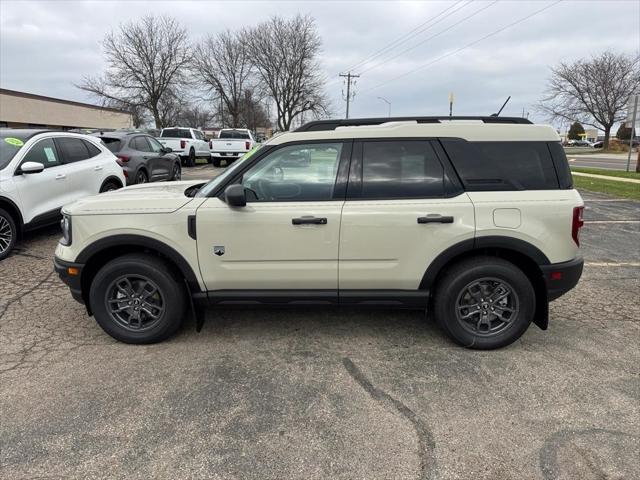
{"x":401,"y":169}
{"x":140,"y":144}
{"x":175,"y":133}
{"x":487,"y":166}
{"x":93,"y":150}
{"x":72,"y":149}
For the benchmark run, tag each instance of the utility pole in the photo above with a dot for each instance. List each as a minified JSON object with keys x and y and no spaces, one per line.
{"x":349,"y":76}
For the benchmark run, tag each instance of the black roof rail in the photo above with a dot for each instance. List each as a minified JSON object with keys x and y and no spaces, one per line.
{"x":356,"y":122}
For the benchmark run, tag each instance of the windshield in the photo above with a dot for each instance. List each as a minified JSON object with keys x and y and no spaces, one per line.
{"x":175,"y":133}
{"x":234,"y":134}
{"x":211,"y":186}
{"x":10,"y":143}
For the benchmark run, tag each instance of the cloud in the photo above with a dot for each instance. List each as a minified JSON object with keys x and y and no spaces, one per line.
{"x":46,"y":47}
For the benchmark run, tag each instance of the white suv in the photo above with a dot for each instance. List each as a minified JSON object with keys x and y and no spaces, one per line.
{"x":473,"y":218}
{"x":40,"y":171}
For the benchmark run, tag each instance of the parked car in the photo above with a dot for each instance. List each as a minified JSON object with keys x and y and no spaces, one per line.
{"x":231,"y":144}
{"x":142,"y":158}
{"x":579,"y":143}
{"x":41,"y":170}
{"x":188,"y":143}
{"x":598,"y":144}
{"x":477,"y":221}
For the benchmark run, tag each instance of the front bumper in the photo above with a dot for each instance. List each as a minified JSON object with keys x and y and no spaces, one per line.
{"x":70,"y":277}
{"x":562,"y":277}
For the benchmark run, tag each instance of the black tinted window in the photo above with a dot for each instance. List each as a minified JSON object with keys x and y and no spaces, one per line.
{"x":234,"y":134}
{"x":140,"y":144}
{"x":401,"y":169}
{"x":176,"y":133}
{"x":561,"y":164}
{"x":113,"y":144}
{"x":43,"y":152}
{"x":93,"y":150}
{"x":503,"y":165}
{"x":72,"y":149}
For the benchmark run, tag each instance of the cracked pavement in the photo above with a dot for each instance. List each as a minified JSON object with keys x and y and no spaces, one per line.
{"x":319,"y":393}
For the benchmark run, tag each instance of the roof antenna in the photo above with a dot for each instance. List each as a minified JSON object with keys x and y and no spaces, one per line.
{"x":502,"y":107}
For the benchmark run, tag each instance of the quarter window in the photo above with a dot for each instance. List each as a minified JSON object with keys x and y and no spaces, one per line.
{"x":43,"y":152}
{"x":502,"y":165}
{"x":72,"y":149}
{"x":294,"y":173}
{"x":401,"y":169}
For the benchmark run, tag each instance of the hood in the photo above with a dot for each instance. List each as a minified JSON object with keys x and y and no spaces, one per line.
{"x":165,"y":197}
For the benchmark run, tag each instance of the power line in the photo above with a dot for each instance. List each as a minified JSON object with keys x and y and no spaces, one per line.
{"x":468,"y":17}
{"x":464,"y":47}
{"x":407,"y":36}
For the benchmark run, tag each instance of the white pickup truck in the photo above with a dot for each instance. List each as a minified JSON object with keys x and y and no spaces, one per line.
{"x":231,"y":144}
{"x":188,"y":143}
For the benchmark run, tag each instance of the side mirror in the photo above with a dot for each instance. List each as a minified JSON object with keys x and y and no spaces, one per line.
{"x":167,"y":150}
{"x":30,"y":167}
{"x":235,"y":196}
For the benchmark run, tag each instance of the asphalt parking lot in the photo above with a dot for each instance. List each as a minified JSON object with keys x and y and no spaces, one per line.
{"x":322,"y":393}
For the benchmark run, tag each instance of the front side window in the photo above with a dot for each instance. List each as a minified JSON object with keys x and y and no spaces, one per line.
{"x":72,"y":149}
{"x":294,"y":173}
{"x":401,"y":169}
{"x":155,"y":145}
{"x":43,"y":152}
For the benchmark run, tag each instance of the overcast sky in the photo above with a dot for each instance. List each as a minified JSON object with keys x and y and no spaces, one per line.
{"x":47,"y":46}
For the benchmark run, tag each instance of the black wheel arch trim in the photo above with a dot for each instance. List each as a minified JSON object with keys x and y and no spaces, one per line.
{"x":19,"y":221}
{"x":127,"y":240}
{"x":111,"y":179}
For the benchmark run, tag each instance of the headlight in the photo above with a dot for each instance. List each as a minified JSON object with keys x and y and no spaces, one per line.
{"x":65,"y":226}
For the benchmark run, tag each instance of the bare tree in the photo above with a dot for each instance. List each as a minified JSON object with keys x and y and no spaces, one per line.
{"x":195,"y":116}
{"x":285,"y":54}
{"x":147,"y":64}
{"x":593,"y":92}
{"x":253,"y":112}
{"x":225,"y":69}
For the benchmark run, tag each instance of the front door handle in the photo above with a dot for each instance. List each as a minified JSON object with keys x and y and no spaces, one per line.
{"x":435,"y":218}
{"x":309,"y":221}
{"x":61,"y":176}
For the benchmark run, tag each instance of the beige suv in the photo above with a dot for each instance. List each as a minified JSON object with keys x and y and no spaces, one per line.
{"x":474,"y":218}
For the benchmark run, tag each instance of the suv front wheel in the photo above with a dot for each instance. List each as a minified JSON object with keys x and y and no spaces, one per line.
{"x":137,"y":299}
{"x":484,"y":303}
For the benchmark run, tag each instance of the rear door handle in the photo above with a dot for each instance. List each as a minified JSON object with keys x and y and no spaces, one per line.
{"x":309,"y":221}
{"x":435,"y":218}
{"x":60,"y":176}
{"x":97,"y":168}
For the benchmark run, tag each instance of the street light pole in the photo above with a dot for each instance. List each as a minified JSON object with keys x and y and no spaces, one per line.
{"x":388,"y":104}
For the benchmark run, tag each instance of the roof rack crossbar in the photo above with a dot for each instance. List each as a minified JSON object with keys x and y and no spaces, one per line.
{"x":358,"y":122}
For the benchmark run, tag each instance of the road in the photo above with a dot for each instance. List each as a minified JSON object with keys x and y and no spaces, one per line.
{"x":314,"y":393}
{"x":609,"y":161}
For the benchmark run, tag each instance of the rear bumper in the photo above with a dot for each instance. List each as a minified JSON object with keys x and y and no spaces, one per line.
{"x":562,"y":277}
{"x":235,"y":155}
{"x":74,"y":283}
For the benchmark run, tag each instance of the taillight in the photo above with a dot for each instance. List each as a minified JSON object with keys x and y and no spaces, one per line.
{"x":123,"y":159}
{"x":247,"y":145}
{"x":183,"y":144}
{"x":577,"y":224}
{"x":210,"y":144}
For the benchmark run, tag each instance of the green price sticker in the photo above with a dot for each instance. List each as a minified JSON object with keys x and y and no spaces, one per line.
{"x":16,"y":142}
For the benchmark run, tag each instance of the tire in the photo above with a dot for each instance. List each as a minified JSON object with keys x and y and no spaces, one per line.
{"x":515,"y":303}
{"x":8,"y":233}
{"x":109,"y":186}
{"x":141,"y":177}
{"x":209,"y":159}
{"x":216,"y":162}
{"x":168,"y":304}
{"x":191,"y":159}
{"x":176,"y":173}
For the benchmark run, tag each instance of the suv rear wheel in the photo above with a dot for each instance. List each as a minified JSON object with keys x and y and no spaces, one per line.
{"x":137,"y":299}
{"x":484,"y":303}
{"x":8,"y":233}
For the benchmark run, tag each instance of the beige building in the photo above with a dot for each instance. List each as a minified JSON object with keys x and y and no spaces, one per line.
{"x":25,"y":110}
